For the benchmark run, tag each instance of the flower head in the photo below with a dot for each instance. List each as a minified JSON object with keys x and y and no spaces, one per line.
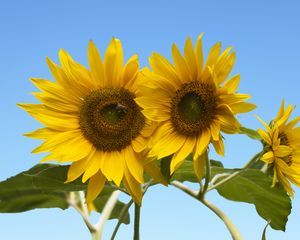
{"x":282,"y":146}
{"x":92,"y":120}
{"x":192,"y":101}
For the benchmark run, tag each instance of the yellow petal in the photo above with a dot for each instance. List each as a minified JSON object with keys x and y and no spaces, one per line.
{"x":292,"y":123}
{"x":94,"y":164}
{"x":168,"y":145}
{"x":199,"y":55}
{"x":190,"y":58}
{"x":56,"y":140}
{"x":280,"y":112}
{"x":202,"y":143}
{"x":215,"y":130}
{"x":287,"y":186}
{"x":77,"y":169}
{"x":224,"y":67}
{"x":95,"y":186}
{"x":130,"y":71}
{"x":42,"y":133}
{"x":282,"y":121}
{"x":282,"y":151}
{"x":274,"y":180}
{"x":219,"y":146}
{"x":229,"y":124}
{"x":134,"y":164}
{"x":139,"y":143}
{"x":268,"y":157}
{"x":264,"y":123}
{"x":199,"y":163}
{"x":113,"y":166}
{"x":113,"y":63}
{"x":180,"y":65}
{"x":265,"y":136}
{"x":55,"y":91}
{"x":75,"y":149}
{"x":242,"y":107}
{"x":213,"y":54}
{"x":157,"y":114}
{"x":155,"y":173}
{"x":182,"y":153}
{"x":230,"y":99}
{"x":163,"y":67}
{"x":133,"y":187}
{"x":232,"y":84}
{"x":96,"y":65}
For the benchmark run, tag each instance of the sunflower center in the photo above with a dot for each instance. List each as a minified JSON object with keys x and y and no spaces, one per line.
{"x":110,"y":119}
{"x":284,"y":141}
{"x":193,"y":108}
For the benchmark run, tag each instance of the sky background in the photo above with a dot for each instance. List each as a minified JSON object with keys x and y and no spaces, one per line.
{"x":266,"y":37}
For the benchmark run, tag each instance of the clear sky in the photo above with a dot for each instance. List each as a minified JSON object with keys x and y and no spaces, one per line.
{"x":265,"y":35}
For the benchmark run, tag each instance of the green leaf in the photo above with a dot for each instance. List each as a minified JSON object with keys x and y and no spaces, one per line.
{"x":165,"y":167}
{"x":250,"y":133}
{"x":43,"y":187}
{"x":186,"y":171}
{"x":101,"y":200}
{"x":253,"y":186}
{"x":40,"y":187}
{"x":29,"y":200}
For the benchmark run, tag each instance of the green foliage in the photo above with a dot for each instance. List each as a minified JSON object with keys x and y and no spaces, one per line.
{"x":43,"y":187}
{"x":250,"y":133}
{"x":250,"y":186}
{"x":165,"y":167}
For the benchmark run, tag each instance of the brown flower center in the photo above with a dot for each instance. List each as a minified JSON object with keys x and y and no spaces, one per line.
{"x":193,"y":108}
{"x":110,"y":119}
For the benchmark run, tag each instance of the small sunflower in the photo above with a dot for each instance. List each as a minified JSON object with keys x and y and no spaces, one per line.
{"x":192,"y":102}
{"x":282,"y":145}
{"x":92,"y":120}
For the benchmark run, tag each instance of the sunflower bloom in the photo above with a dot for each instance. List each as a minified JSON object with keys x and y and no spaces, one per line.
{"x":192,"y":101}
{"x":282,"y":145}
{"x":92,"y":120}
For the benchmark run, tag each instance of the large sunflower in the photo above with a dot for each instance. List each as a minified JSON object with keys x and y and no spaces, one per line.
{"x":191,"y":102}
{"x":282,"y":146}
{"x":92,"y":120}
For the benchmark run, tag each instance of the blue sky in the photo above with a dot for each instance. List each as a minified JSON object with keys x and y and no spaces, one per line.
{"x":265,"y":35}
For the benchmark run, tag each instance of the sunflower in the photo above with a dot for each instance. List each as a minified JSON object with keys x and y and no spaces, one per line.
{"x":282,"y":148}
{"x":192,"y":103}
{"x":92,"y":120}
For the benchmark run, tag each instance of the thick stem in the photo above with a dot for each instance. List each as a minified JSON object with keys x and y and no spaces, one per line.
{"x":109,"y":206}
{"x":96,"y":235}
{"x":121,"y":218}
{"x":203,"y":190}
{"x":76,"y":201}
{"x":137,"y":212}
{"x":230,"y":226}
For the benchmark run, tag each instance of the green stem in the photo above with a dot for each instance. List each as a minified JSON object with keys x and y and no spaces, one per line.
{"x":137,"y":212}
{"x":96,"y":235}
{"x":230,"y":226}
{"x":203,"y":190}
{"x":121,"y":218}
{"x":235,"y":174}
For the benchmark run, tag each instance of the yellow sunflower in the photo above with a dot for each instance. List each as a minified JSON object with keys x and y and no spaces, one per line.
{"x":192,"y":101}
{"x":282,"y":146}
{"x":92,"y":120}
